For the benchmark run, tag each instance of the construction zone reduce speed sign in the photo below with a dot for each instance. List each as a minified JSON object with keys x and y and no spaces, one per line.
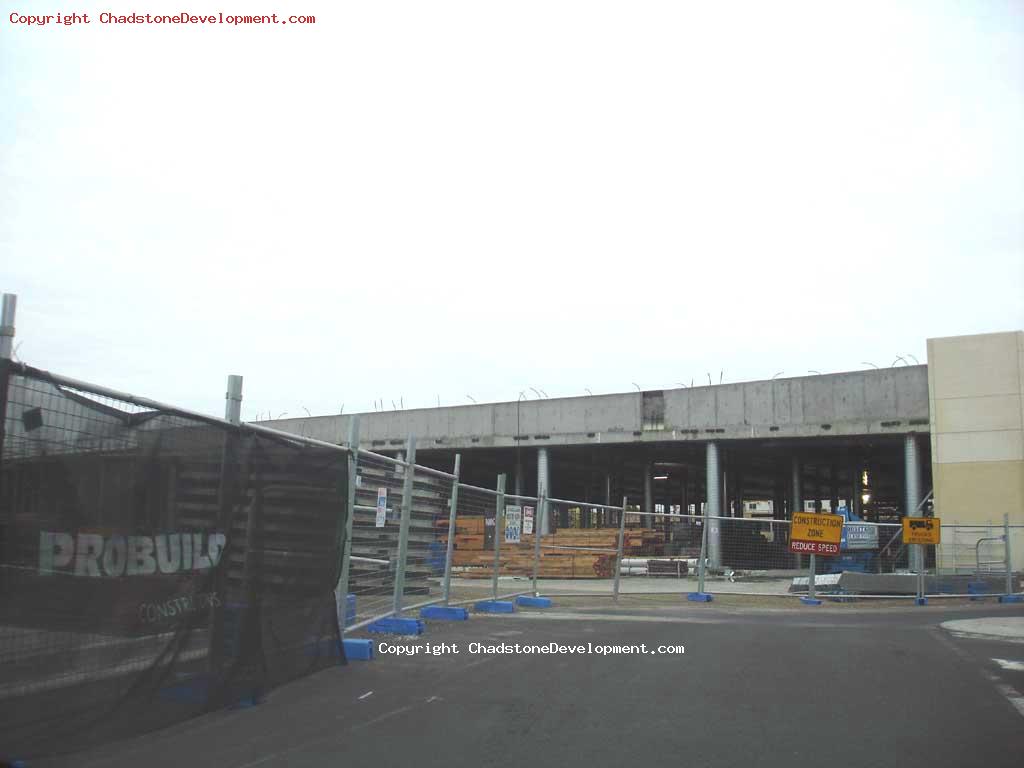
{"x":815,"y":534}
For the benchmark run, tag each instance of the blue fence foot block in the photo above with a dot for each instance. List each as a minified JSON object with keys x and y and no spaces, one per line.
{"x":196,"y":689}
{"x":323,"y":646}
{"x":360,"y":650}
{"x":920,"y":601}
{"x":533,"y":602}
{"x":247,"y":701}
{"x":444,"y":613}
{"x":1011,"y":598}
{"x":700,"y":597}
{"x":396,"y":626}
{"x":810,"y":601}
{"x":496,"y":606}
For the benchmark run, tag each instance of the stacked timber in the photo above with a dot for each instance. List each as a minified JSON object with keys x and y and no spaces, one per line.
{"x":569,"y":553}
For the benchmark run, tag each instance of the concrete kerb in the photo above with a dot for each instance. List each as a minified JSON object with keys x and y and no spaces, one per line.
{"x":1004,"y":628}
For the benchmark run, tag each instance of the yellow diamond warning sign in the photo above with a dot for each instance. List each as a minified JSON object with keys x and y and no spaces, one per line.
{"x":921,"y":530}
{"x":816,"y":534}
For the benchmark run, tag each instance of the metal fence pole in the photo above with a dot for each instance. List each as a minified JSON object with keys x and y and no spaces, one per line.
{"x":1009,"y":558}
{"x":702,"y":564}
{"x":810,"y":578}
{"x":10,"y":308}
{"x":449,"y":549}
{"x":499,"y":532}
{"x":341,"y":588}
{"x":618,"y":551}
{"x":541,"y":507}
{"x":403,"y":529}
{"x":225,"y":503}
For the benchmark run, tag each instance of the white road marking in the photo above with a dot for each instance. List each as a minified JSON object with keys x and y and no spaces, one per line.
{"x":1013,"y":666}
{"x":1010,"y":693}
{"x":376,"y":720}
{"x":368,"y":693}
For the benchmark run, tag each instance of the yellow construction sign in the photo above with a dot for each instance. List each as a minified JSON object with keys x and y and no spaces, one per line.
{"x":921,"y":530}
{"x":816,"y":534}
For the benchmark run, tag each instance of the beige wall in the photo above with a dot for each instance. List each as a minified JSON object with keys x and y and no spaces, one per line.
{"x":976,"y":401}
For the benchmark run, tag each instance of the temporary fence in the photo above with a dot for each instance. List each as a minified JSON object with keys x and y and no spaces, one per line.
{"x":154,"y":563}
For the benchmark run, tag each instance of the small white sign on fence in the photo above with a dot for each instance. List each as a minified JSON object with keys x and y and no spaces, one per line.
{"x":382,"y":506}
{"x":513,"y":523}
{"x":527,"y":520}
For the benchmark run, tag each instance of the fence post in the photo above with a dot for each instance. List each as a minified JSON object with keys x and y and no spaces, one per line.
{"x":499,"y":532}
{"x":541,"y":506}
{"x":454,"y":504}
{"x":225,"y":502}
{"x":403,"y":529}
{"x":1006,"y":549}
{"x":811,"y":599}
{"x":700,"y":596}
{"x":618,"y":551}
{"x":1009,"y":597}
{"x":341,"y":588}
{"x":10,"y":308}
{"x":921,"y":600}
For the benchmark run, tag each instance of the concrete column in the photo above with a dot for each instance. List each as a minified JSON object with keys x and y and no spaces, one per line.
{"x":684,"y":498}
{"x":713,"y":505}
{"x":723,"y":485}
{"x":854,"y":490}
{"x":738,"y":510}
{"x":648,"y":494}
{"x":606,"y":514}
{"x":796,"y":500}
{"x":544,"y":486}
{"x":912,"y":485}
{"x":833,"y":497}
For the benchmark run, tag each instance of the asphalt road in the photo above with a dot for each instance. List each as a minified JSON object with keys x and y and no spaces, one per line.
{"x":825,"y":686}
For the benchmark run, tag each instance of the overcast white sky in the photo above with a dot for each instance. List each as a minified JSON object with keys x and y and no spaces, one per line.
{"x":439,"y":199}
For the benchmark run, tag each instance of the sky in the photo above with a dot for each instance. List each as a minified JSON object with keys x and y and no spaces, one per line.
{"x":413,"y":203}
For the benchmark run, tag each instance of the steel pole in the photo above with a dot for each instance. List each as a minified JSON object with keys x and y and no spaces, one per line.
{"x":618,"y":550}
{"x":499,"y":532}
{"x":10,"y":309}
{"x":449,"y":549}
{"x":403,"y":529}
